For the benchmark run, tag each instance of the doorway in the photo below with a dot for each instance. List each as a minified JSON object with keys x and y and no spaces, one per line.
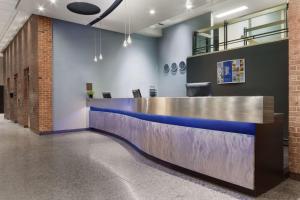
{"x":15,"y":99}
{"x":1,"y":99}
{"x":26,"y":98}
{"x":8,"y":100}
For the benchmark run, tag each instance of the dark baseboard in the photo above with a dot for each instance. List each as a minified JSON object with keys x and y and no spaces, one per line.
{"x":63,"y":131}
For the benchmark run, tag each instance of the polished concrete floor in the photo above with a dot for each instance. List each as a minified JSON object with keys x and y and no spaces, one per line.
{"x":91,"y":166}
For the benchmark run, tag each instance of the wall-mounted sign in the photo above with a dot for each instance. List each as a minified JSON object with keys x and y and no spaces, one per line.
{"x":174,"y":67}
{"x":231,"y":71}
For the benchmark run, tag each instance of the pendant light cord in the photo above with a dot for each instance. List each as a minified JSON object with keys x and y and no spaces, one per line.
{"x":100,"y":39}
{"x":129,"y":18}
{"x":125,"y":30}
{"x":125,"y":39}
{"x":125,"y":20}
{"x":95,"y":41}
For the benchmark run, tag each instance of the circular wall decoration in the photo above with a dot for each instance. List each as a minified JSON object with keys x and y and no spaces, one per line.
{"x":182,"y":66}
{"x":166,"y":68}
{"x":174,"y":67}
{"x":83,"y":8}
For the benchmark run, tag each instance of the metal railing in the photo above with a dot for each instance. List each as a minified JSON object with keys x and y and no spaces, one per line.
{"x":208,"y":39}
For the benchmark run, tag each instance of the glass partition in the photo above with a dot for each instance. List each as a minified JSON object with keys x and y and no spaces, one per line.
{"x":264,"y":26}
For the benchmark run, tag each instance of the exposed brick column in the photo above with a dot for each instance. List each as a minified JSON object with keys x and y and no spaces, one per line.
{"x":45,"y":73}
{"x":294,"y":88}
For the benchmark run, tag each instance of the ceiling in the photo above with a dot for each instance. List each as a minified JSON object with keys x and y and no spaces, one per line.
{"x":13,"y":14}
{"x":6,"y":12}
{"x":136,"y":10}
{"x":10,"y":22}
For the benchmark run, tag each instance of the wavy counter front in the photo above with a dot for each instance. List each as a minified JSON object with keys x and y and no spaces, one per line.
{"x":245,"y":153}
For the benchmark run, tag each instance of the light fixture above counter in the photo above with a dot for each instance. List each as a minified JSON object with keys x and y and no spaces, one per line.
{"x":231,"y":12}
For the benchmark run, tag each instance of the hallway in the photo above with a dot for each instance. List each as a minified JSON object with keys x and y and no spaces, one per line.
{"x":90,"y":166}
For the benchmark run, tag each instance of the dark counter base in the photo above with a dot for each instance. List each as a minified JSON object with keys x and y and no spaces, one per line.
{"x":243,"y":190}
{"x":269,"y":170}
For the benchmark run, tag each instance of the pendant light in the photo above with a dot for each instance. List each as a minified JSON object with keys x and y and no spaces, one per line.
{"x":95,"y":43}
{"x":125,"y":43}
{"x":100,"y":55}
{"x":129,"y":40}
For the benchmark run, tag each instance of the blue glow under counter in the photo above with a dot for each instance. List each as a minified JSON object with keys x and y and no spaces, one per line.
{"x":218,"y":125}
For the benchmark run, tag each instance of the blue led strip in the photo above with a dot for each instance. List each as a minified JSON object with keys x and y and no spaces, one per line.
{"x":218,"y":125}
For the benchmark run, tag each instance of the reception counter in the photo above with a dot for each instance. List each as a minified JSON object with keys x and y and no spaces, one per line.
{"x":234,"y":141}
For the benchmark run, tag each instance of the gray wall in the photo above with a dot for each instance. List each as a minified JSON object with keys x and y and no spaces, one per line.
{"x":121,"y":70}
{"x":266,"y":72}
{"x":175,"y":46}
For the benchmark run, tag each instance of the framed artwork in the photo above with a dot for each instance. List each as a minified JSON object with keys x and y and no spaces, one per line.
{"x":231,"y":71}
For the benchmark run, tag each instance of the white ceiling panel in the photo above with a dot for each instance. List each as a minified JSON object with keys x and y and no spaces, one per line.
{"x":167,"y":11}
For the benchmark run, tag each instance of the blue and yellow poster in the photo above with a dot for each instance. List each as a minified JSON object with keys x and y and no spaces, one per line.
{"x":231,"y":71}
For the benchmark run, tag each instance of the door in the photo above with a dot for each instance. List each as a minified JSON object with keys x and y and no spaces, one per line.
{"x":15,"y":99}
{"x":26,"y":98}
{"x":1,"y":99}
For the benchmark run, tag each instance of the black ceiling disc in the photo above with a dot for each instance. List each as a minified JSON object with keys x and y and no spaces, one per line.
{"x":83,"y":8}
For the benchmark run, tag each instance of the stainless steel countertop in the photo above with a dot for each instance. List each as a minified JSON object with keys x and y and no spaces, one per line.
{"x":252,"y":109}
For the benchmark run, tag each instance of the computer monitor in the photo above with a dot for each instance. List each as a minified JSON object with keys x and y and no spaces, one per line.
{"x":199,"y":89}
{"x":106,"y":95}
{"x":137,"y":93}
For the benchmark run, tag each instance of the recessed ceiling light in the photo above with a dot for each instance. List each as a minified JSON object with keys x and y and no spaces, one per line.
{"x":189,"y":5}
{"x":52,"y":1}
{"x":233,"y":11}
{"x":41,"y":8}
{"x":152,"y":12}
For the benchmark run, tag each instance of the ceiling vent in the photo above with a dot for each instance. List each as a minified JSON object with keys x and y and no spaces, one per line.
{"x":83,"y":8}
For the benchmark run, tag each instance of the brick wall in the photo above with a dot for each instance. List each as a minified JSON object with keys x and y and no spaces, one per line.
{"x":28,"y":75}
{"x":45,"y":73}
{"x":294,"y":88}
